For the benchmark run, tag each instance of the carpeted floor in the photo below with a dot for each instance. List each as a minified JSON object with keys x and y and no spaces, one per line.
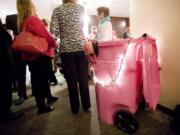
{"x":62,"y":122}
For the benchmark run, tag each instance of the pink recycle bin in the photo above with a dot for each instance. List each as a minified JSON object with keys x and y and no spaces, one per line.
{"x":124,"y":72}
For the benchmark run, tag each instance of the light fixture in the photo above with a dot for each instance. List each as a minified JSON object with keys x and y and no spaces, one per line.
{"x":122,"y":24}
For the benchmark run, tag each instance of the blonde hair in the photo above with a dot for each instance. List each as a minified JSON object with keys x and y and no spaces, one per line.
{"x":24,"y":9}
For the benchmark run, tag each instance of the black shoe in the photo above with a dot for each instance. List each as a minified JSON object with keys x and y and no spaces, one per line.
{"x":75,"y":111}
{"x":46,"y":109}
{"x":52,"y":99}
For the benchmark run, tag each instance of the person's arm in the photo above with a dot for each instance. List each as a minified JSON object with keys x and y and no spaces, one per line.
{"x":54,"y":25}
{"x":9,"y":38}
{"x":35,"y":26}
{"x":106,"y":32}
{"x":5,"y":51}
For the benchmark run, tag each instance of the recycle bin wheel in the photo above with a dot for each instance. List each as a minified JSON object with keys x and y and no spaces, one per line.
{"x":126,"y":121}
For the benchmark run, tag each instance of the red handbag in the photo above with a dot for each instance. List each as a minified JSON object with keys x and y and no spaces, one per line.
{"x":28,"y":43}
{"x":91,"y":51}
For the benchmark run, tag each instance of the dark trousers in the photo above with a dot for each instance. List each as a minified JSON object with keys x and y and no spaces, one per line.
{"x":22,"y":79}
{"x":75,"y":66}
{"x":39,"y":69}
{"x":21,"y":74}
{"x":5,"y":96}
{"x":52,"y":77}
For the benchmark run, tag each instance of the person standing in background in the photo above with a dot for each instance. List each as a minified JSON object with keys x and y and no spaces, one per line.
{"x":38,"y":65}
{"x":7,"y":75}
{"x":52,"y":77}
{"x":20,"y":83}
{"x":67,"y":23}
{"x":104,"y":31}
{"x":21,"y":77}
{"x":126,"y":33}
{"x":93,"y":32}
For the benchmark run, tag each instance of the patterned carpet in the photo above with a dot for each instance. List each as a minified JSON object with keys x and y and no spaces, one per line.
{"x":62,"y":122}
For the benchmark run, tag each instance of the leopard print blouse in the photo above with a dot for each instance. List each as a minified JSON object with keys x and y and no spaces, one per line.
{"x":67,"y":24}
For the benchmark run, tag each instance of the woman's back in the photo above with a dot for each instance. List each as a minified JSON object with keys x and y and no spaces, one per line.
{"x":69,"y":21}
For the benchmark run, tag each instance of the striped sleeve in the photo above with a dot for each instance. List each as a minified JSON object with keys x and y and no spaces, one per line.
{"x":54,"y":25}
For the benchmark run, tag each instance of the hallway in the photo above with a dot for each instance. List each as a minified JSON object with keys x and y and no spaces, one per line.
{"x":62,"y":122}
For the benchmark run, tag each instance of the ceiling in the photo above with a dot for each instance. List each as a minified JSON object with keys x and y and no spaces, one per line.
{"x":44,"y":9}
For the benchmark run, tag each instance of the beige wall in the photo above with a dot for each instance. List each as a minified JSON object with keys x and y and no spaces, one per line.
{"x":161,"y":19}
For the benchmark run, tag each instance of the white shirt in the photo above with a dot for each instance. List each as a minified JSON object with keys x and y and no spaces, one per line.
{"x":105,"y":31}
{"x":11,"y":33}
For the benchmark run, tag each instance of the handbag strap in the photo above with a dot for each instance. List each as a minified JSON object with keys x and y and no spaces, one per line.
{"x":92,"y":58}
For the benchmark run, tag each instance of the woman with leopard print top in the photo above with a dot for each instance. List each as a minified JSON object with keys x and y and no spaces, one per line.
{"x":67,"y":24}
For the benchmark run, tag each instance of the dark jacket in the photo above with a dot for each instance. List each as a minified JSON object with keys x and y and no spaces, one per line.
{"x":7,"y":68}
